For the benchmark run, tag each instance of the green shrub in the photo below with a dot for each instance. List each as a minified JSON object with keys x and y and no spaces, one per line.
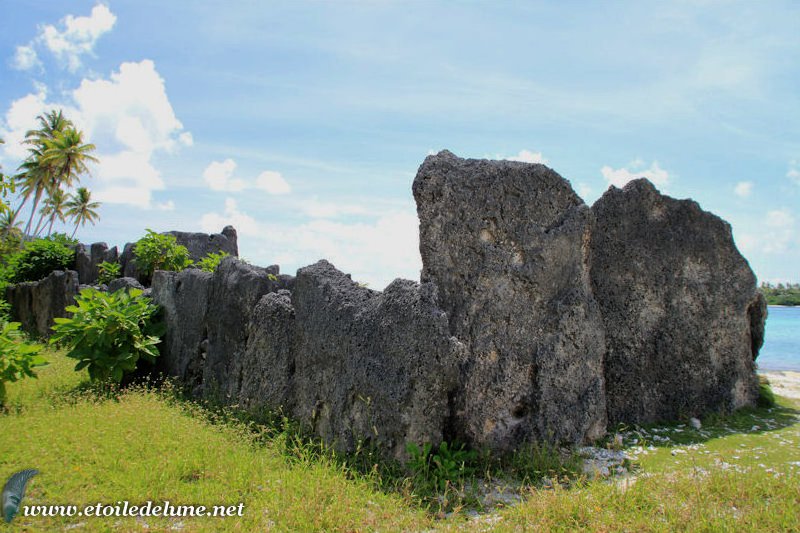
{"x":37,"y":259}
{"x":160,"y":252}
{"x":17,"y":357}
{"x":109,"y":333}
{"x":447,"y":466}
{"x":107,"y":272}
{"x":210,"y":262}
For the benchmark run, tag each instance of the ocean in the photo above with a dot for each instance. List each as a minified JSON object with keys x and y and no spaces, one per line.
{"x":781,"y":350}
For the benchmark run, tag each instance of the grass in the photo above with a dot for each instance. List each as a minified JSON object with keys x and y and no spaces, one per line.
{"x":740,"y":472}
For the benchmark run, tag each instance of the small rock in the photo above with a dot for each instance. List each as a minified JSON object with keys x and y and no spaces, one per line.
{"x":696,"y":424}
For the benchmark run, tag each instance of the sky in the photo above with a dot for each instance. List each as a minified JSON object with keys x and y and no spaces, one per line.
{"x":303,"y":123}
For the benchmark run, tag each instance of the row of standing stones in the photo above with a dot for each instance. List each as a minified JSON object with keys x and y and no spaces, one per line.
{"x":537,"y":318}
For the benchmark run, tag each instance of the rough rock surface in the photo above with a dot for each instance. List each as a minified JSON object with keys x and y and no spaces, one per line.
{"x":36,"y":303}
{"x":124,"y":283}
{"x":201,"y":244}
{"x":682,"y":315}
{"x":348,"y":362}
{"x":353,"y":363}
{"x":87,"y":260}
{"x":207,"y":317}
{"x":198,"y":244}
{"x":507,"y":245}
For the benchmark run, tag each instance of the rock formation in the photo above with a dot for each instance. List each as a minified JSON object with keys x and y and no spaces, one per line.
{"x":87,"y":261}
{"x":198,"y":244}
{"x":348,"y":362}
{"x":537,"y":318}
{"x":681,"y":312}
{"x":507,"y":245}
{"x":36,"y":303}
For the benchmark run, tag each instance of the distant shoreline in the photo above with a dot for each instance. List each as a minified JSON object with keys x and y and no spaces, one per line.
{"x":784,"y":382}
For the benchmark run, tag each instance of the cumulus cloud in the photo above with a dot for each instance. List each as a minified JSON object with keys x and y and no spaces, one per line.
{"x":794,"y":172}
{"x":244,"y":224}
{"x":127,"y":115}
{"x":743,"y":189}
{"x":169,"y":205}
{"x":25,"y":58}
{"x":19,"y":118}
{"x":316,"y":208}
{"x":219,"y":176}
{"x":77,"y":35}
{"x":527,"y":156}
{"x":273,"y":183}
{"x":780,"y":232}
{"x":621,"y":176}
{"x":374,"y":249}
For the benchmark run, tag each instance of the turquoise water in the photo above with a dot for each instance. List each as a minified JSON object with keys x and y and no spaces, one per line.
{"x":781,"y":349}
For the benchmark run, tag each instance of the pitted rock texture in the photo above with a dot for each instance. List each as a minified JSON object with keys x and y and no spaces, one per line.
{"x":88,"y":260}
{"x":124,"y":283}
{"x":507,"y":245}
{"x":201,"y":244}
{"x":349,"y":363}
{"x":198,"y":244}
{"x":207,"y":317}
{"x":36,"y":303}
{"x":352,"y":363}
{"x":682,"y":315}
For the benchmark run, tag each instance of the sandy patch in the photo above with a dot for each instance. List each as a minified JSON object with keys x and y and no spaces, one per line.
{"x":784,"y":383}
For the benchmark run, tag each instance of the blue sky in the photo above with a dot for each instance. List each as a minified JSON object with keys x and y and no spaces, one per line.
{"x":303,"y":123}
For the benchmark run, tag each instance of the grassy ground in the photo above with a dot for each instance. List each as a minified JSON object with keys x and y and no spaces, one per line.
{"x":735,"y":473}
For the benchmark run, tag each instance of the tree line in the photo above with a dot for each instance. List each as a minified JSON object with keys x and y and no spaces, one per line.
{"x":781,"y":293}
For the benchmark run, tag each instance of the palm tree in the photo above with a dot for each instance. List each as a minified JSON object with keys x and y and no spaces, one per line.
{"x":9,"y":228}
{"x":81,"y":209}
{"x":38,"y":175}
{"x":66,"y":156}
{"x":54,"y":207}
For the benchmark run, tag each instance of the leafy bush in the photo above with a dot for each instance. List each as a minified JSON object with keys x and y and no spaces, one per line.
{"x":37,"y":259}
{"x":108,"y":272}
{"x":450,"y":463}
{"x":17,"y":357}
{"x":160,"y":252}
{"x":109,"y":333}
{"x":210,"y":262}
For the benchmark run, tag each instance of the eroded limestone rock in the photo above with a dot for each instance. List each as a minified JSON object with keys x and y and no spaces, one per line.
{"x":507,"y":245}
{"x":682,"y":315}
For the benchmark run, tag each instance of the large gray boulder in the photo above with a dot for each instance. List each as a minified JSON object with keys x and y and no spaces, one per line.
{"x":36,"y":303}
{"x":354,"y":364}
{"x":683,"y":319}
{"x":88,"y":260}
{"x":507,"y":245}
{"x":124,"y":283}
{"x":207,"y":318}
{"x":349,"y":363}
{"x":198,"y":244}
{"x":202,"y":244}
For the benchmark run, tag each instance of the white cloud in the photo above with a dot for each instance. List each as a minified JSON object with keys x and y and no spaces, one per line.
{"x":273,"y":183}
{"x":527,"y":156}
{"x":375,"y":249}
{"x":19,"y":118}
{"x":584,"y":191}
{"x":621,"y":176}
{"x":244,"y":224}
{"x":794,"y":172}
{"x":743,"y":189}
{"x":128,"y":116}
{"x":319,"y":209}
{"x":25,"y":58}
{"x":780,"y":234}
{"x":169,"y":205}
{"x":219,"y":176}
{"x":78,"y":36}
